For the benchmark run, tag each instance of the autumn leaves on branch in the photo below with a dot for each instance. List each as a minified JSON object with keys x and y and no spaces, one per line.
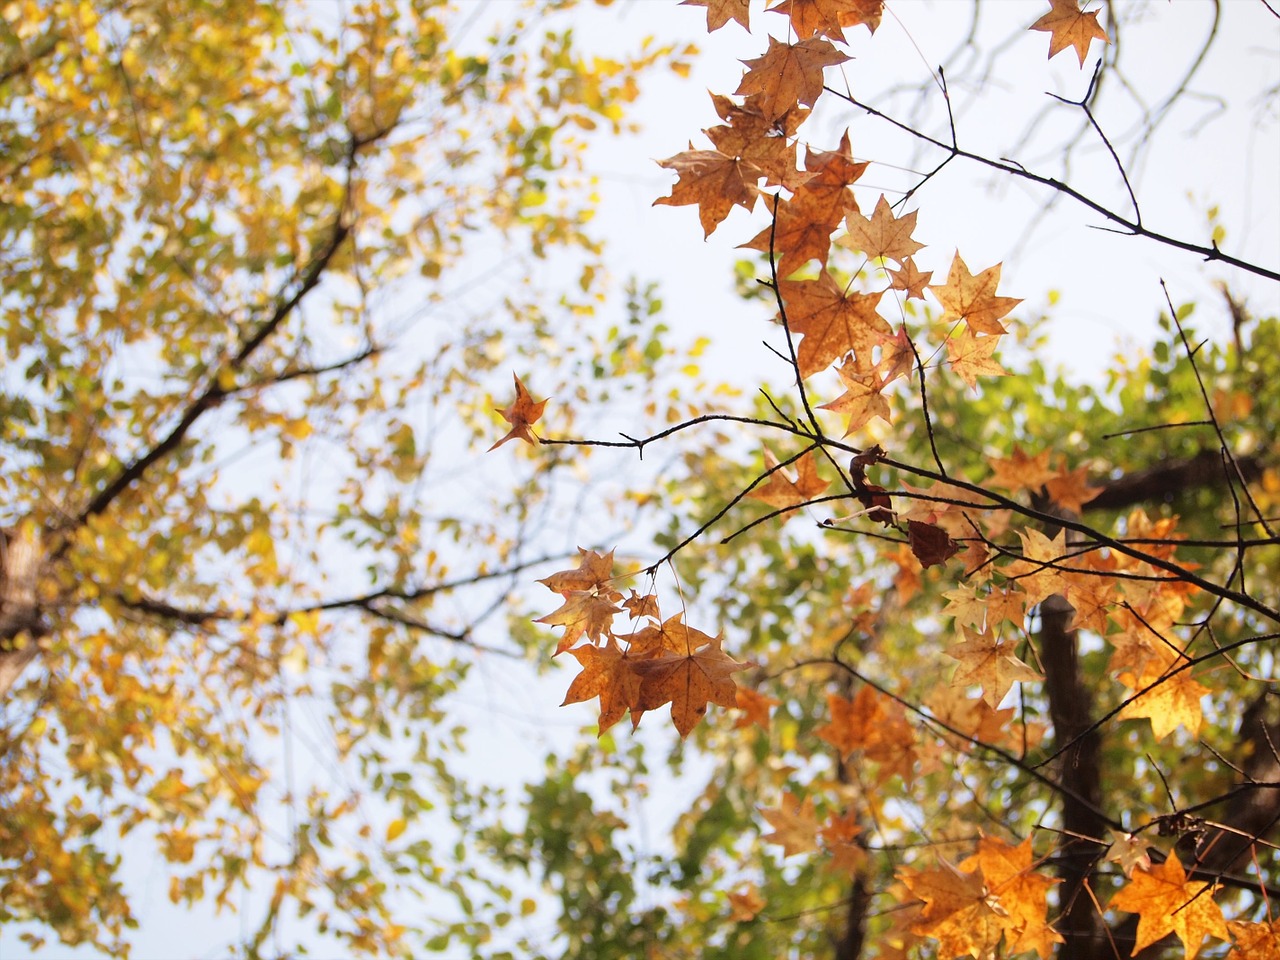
{"x":1132,"y":591}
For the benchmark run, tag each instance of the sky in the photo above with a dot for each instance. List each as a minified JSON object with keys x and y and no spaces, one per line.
{"x":1217,"y":147}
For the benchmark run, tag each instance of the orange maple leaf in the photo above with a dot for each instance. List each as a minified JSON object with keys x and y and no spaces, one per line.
{"x":589,"y":598}
{"x":832,"y":322}
{"x":593,"y":572}
{"x":970,"y":356}
{"x":746,"y":903}
{"x":1068,"y":26}
{"x":521,"y":415}
{"x":1174,"y":700}
{"x":863,"y":396}
{"x":640,"y":607}
{"x":825,"y":193}
{"x":688,"y":682}
{"x":607,"y":674}
{"x":911,"y":279}
{"x":795,"y":827}
{"x":1255,"y":941}
{"x":1090,"y":594}
{"x":839,"y":836}
{"x":720,"y":12}
{"x":583,"y":612}
{"x":755,"y":707}
{"x":1036,"y":573}
{"x":1020,"y":471}
{"x":896,"y":356}
{"x":789,"y":74}
{"x":672,"y":636}
{"x":972,"y":609}
{"x":959,"y":912}
{"x":972,"y":298}
{"x":802,"y":226}
{"x":1167,"y":902}
{"x":875,"y":725}
{"x":780,"y":491}
{"x":714,"y":181}
{"x":767,"y":142}
{"x":794,"y":238}
{"x":1008,"y":873}
{"x":987,"y":661}
{"x":829,"y":17}
{"x":1071,"y":489}
{"x":882,"y":234}
{"x":974,"y":718}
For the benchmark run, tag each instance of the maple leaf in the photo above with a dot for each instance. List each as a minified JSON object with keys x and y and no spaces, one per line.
{"x":1167,"y":902}
{"x":715,"y":181}
{"x":882,"y":235}
{"x":789,"y":73}
{"x":988,"y":661}
{"x":583,"y":612}
{"x":1129,"y":851}
{"x":1255,"y":941}
{"x":959,"y":911}
{"x":765,"y":141}
{"x":1021,"y":472}
{"x":930,"y":543}
{"x":1070,"y":489}
{"x":972,"y":609}
{"x":970,"y":357}
{"x":689,"y":682}
{"x":876,"y":726}
{"x":1068,"y":26}
{"x":795,"y":828}
{"x":1174,"y":700}
{"x":794,"y":238}
{"x":720,"y":12}
{"x":865,"y":13}
{"x":802,"y":226}
{"x":825,"y":193}
{"x":838,"y":836}
{"x":755,"y":707}
{"x":640,"y":607}
{"x":831,"y":322}
{"x":863,"y":396}
{"x":1035,"y":572}
{"x":593,"y":572}
{"x":607,"y":674}
{"x":1092,"y":596}
{"x":589,"y":598}
{"x":746,"y":903}
{"x":673,"y":636}
{"x":521,"y":415}
{"x":972,"y":299}
{"x":910,"y":279}
{"x":975,"y":718}
{"x":896,"y":356}
{"x":809,"y":17}
{"x":1008,"y":873}
{"x":780,"y":491}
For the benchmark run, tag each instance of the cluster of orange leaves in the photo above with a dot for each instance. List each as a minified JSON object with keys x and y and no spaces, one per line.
{"x":995,"y":895}
{"x":656,"y":663}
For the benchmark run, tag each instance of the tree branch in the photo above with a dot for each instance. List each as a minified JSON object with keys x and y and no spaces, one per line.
{"x":1130,"y":226}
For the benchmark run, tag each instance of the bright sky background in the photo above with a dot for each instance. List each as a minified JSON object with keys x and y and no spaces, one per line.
{"x":1206,"y":153}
